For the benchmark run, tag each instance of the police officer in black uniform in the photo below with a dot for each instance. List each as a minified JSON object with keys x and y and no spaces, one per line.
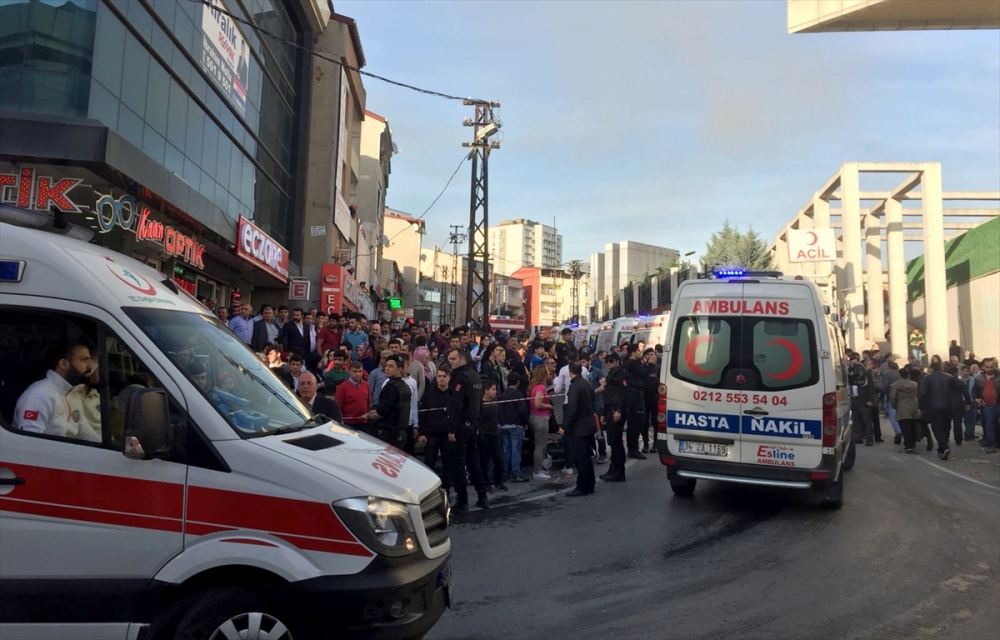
{"x":635,"y":403}
{"x":650,"y":397}
{"x":614,"y":416}
{"x":862,"y":387}
{"x":392,"y":414}
{"x":468,"y":387}
{"x":438,"y":426}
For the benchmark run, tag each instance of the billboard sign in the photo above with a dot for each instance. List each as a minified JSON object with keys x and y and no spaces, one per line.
{"x":260,"y":249}
{"x":811,"y":245}
{"x":224,"y":53}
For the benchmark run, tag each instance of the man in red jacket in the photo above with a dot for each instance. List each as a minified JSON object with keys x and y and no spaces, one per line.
{"x":353,"y":398}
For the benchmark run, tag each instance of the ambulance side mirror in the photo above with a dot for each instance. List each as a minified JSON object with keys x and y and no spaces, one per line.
{"x":147,"y":425}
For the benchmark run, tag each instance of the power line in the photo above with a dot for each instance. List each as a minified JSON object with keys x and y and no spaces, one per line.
{"x":321,"y":56}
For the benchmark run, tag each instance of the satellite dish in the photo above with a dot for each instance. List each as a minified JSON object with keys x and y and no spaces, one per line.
{"x":395,"y":148}
{"x":384,"y":241}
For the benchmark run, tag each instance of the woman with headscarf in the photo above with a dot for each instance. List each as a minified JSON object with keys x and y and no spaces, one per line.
{"x":423,"y":356}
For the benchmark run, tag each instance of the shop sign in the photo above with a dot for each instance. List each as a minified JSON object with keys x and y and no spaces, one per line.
{"x":299,"y":289}
{"x":339,"y":291}
{"x":124,"y":212}
{"x":224,"y":53}
{"x":260,"y":249}
{"x":26,"y":190}
{"x":342,"y":216}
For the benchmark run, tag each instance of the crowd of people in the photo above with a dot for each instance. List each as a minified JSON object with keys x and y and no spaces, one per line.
{"x":470,"y":402}
{"x":944,"y":401}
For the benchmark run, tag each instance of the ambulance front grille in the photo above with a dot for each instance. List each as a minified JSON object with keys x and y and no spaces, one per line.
{"x":434,"y":514}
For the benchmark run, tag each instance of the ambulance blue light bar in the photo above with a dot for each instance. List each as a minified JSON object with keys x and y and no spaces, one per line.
{"x":11,"y":270}
{"x":729,"y":273}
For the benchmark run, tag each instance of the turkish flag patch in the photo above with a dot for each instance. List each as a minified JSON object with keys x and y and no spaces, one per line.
{"x":30,"y":415}
{"x":458,"y":387}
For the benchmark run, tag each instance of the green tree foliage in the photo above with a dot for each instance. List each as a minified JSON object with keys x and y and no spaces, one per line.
{"x":732,"y":248}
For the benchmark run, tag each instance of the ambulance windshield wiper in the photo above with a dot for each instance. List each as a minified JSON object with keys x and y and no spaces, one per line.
{"x":314,"y":421}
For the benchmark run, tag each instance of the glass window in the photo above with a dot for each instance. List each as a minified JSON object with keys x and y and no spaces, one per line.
{"x":192,"y":174}
{"x":162,"y":44}
{"x":157,"y":97}
{"x":221,"y":197}
{"x":239,"y":386}
{"x":61,"y":38}
{"x":154,"y":144}
{"x":130,"y":126}
{"x":10,"y":89}
{"x":184,"y":28}
{"x":14,"y":20}
{"x":210,"y":150}
{"x":134,"y":72}
{"x":195,"y":134}
{"x":784,"y":352}
{"x":109,"y":52}
{"x":181,"y":66}
{"x":166,"y":11}
{"x":207,"y":186}
{"x":55,"y":93}
{"x":173,"y":160}
{"x":224,"y":161}
{"x":177,"y":113}
{"x":140,"y":19}
{"x":702,"y":349}
{"x":103,"y":105}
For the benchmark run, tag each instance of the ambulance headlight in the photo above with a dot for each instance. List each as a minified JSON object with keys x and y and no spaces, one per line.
{"x":384,"y":526}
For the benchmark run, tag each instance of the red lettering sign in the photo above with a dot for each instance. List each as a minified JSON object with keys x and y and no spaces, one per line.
{"x":173,"y":241}
{"x":260,"y":249}
{"x":740,"y":307}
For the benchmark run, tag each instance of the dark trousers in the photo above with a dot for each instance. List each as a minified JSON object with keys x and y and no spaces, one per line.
{"x":909,"y":429}
{"x":585,"y":478}
{"x":650,"y":422}
{"x":437,"y":444}
{"x":490,"y":448}
{"x":636,"y":419}
{"x":862,"y":416}
{"x":467,"y":460}
{"x":395,"y":437}
{"x":941,"y":426}
{"x":615,"y":431}
{"x":958,"y":424}
{"x":876,"y":423}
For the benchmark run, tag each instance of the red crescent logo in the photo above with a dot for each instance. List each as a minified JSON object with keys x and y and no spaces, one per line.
{"x":814,"y":237}
{"x":794,"y":367}
{"x":133,"y":280}
{"x":689,"y":356}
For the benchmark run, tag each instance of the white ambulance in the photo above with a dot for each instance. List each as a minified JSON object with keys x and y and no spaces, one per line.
{"x":755,"y":387}
{"x":213,"y":505}
{"x":614,"y":333}
{"x":652,"y":331}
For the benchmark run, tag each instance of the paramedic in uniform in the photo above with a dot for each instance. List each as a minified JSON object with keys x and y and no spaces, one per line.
{"x":44,"y":406}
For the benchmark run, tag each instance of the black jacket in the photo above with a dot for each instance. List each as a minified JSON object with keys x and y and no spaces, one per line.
{"x":293,"y":340}
{"x":490,"y":370}
{"x":960,"y":398}
{"x":394,"y":405}
{"x":489,"y":419}
{"x":979,"y":385}
{"x":860,"y":377}
{"x":445,"y":418}
{"x":259,"y":336}
{"x":636,"y":372}
{"x":651,"y":388}
{"x":614,"y":390}
{"x":513,"y":412}
{"x":936,"y":389}
{"x":285,"y":375}
{"x":468,"y":386}
{"x":517,"y":366}
{"x":578,"y":414}
{"x":327,"y":407}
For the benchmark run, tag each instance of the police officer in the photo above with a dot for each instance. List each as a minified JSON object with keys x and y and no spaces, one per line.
{"x":468,"y":387}
{"x":635,"y":403}
{"x":862,"y":387}
{"x":439,"y":425}
{"x":44,"y":407}
{"x":615,"y":384}
{"x":392,"y":414}
{"x":650,"y":396}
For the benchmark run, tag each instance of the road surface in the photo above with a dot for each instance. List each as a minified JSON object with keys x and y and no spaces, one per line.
{"x":914,"y":553}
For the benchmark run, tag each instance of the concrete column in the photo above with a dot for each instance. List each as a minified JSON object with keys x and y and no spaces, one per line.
{"x":821,"y":220}
{"x":851,"y":285}
{"x":655,"y":285}
{"x":897,"y":277}
{"x":873,"y":262}
{"x":781,"y":260}
{"x":935,"y":283}
{"x":674,"y":283}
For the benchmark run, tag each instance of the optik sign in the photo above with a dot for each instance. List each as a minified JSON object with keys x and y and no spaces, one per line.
{"x":261,"y":250}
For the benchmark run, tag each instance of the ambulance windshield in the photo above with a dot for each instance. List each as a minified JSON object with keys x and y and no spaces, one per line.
{"x":237,"y":383}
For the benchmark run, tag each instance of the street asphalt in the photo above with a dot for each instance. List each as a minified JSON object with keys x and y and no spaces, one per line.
{"x":914,"y":553}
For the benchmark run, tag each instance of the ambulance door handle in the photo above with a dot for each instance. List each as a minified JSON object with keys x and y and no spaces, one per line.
{"x":755,"y":412}
{"x":8,"y":481}
{"x":12,"y":481}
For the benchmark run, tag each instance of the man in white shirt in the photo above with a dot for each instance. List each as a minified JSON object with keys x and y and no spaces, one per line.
{"x":44,"y":406}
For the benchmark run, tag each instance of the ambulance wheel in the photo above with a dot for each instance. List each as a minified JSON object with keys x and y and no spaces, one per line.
{"x":250,"y":613}
{"x":683,"y":487}
{"x":833,"y":498}
{"x":852,"y":452}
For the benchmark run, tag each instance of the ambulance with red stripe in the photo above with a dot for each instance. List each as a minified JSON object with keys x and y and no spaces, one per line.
{"x":755,"y":387}
{"x":215,"y":505}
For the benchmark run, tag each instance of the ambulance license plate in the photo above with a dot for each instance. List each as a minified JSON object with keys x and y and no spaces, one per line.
{"x":704,"y":448}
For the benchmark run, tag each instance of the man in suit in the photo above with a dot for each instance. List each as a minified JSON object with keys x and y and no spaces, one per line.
{"x":295,"y":334}
{"x":265,"y":329}
{"x":578,"y":429}
{"x":320,"y":405}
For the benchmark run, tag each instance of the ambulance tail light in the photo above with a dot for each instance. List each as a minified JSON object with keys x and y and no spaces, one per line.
{"x":830,"y":419}
{"x":661,"y":410}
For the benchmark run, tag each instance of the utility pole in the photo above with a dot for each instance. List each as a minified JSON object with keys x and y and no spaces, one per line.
{"x":574,"y":272}
{"x":456,"y":238}
{"x":485,"y":124}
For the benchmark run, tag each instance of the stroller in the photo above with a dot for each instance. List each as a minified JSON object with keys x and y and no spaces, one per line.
{"x":555,"y":449}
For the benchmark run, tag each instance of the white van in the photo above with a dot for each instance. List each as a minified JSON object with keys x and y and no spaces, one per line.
{"x":755,"y":388}
{"x":212,"y":501}
{"x":652,"y":331}
{"x":614,"y":333}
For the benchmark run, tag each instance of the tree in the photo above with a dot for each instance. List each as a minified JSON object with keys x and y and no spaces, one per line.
{"x":732,"y":248}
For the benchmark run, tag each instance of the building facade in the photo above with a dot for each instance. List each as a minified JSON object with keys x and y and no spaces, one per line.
{"x":404,"y":234}
{"x":173,"y":132}
{"x":624,"y":263}
{"x":548,"y":296}
{"x":524,"y":243}
{"x":377,"y":150}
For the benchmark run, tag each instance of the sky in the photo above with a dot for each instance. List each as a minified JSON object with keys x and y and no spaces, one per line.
{"x":657,"y":121}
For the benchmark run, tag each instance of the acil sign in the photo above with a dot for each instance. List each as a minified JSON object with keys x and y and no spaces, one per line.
{"x":811,"y":245}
